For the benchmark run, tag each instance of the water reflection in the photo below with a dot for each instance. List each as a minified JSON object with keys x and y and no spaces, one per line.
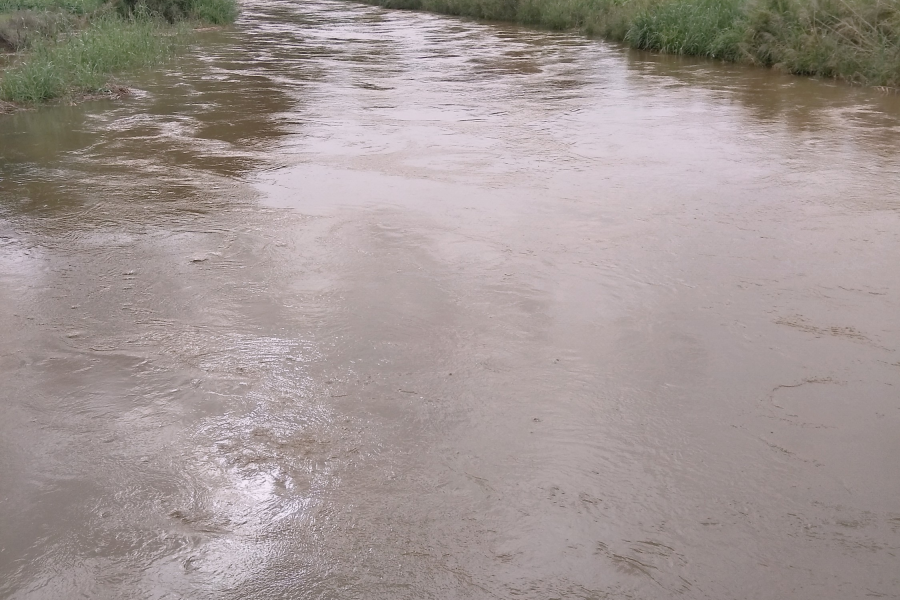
{"x":358,"y":303}
{"x":804,"y":105}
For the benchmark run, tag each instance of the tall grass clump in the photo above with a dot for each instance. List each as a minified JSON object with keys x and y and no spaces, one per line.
{"x":73,"y":7}
{"x":216,"y":12}
{"x":83,"y":63}
{"x":856,"y":40}
{"x":712,"y":28}
{"x":66,"y":47}
{"x":21,"y":28}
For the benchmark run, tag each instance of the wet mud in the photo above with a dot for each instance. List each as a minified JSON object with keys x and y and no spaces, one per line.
{"x":351,"y":303}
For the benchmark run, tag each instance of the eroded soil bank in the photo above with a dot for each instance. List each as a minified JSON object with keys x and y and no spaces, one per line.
{"x":351,"y":303}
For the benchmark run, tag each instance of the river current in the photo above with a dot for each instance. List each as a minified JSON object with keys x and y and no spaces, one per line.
{"x":354,"y":303}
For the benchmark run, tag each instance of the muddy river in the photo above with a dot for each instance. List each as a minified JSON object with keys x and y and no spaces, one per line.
{"x":349,"y":303}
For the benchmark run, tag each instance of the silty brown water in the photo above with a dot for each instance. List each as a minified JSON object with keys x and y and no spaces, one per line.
{"x":350,"y":303}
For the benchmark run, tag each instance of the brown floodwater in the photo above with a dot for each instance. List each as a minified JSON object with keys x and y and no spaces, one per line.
{"x":351,"y":303}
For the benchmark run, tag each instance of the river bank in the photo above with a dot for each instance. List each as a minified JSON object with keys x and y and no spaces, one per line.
{"x":853,"y":40}
{"x":73,"y":49}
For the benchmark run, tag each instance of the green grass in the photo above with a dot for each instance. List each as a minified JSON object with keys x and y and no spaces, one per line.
{"x":20,"y":29}
{"x":216,"y":12}
{"x":74,"y":47}
{"x":83,"y":63}
{"x":75,"y":7}
{"x":711,"y":28}
{"x":854,"y":40}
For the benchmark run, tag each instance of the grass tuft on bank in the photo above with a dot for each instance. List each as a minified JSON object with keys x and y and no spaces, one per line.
{"x":853,"y":40}
{"x":215,"y":12}
{"x":74,"y":47}
{"x":83,"y":63}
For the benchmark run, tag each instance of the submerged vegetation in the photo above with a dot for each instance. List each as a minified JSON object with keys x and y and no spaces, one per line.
{"x":63,"y":48}
{"x":854,"y":40}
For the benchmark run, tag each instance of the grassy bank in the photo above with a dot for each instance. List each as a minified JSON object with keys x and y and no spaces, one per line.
{"x":74,"y":48}
{"x":854,"y":40}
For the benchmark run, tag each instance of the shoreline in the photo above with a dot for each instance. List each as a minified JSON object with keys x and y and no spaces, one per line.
{"x":843,"y":42}
{"x":855,"y":41}
{"x":60,"y":53}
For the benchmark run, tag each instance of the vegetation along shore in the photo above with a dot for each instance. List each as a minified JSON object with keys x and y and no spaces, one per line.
{"x":72,"y":48}
{"x":853,"y":40}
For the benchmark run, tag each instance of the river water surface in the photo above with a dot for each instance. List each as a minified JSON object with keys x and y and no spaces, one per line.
{"x":350,"y":303}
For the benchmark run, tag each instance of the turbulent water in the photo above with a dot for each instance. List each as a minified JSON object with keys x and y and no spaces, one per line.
{"x":351,"y":303}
